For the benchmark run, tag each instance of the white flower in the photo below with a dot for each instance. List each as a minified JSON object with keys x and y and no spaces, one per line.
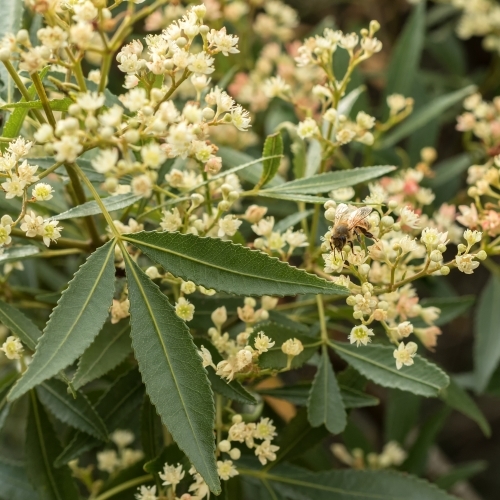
{"x":184,"y":309}
{"x":107,"y":461}
{"x":45,"y":133}
{"x":226,"y":369}
{"x":276,"y":87}
{"x":265,"y":429}
{"x":263,"y":343}
{"x":50,"y":231}
{"x":360,"y":335}
{"x":404,"y":354}
{"x":142,"y":185}
{"x":90,"y":101}
{"x":172,"y":475}
{"x":5,"y":229}
{"x":105,"y":160}
{"x":32,"y":224}
{"x":171,"y":220}
{"x":296,"y":239}
{"x":308,"y":128}
{"x":266,"y":451}
{"x":264,"y":227}
{"x":466,"y":264}
{"x":42,"y":192}
{"x":243,"y":358}
{"x":13,"y":187}
{"x":222,"y":42}
{"x":226,"y":469}
{"x":26,"y":172}
{"x":396,"y":103}
{"x":67,"y":148}
{"x":365,"y":121}
{"x":134,"y":99}
{"x":12,"y":348}
{"x":334,"y":263}
{"x":20,"y":147}
{"x":219,"y":316}
{"x":431,"y":238}
{"x":228,"y":225}
{"x":201,"y":63}
{"x":472,"y":237}
{"x":145,"y":492}
{"x":206,"y":357}
{"x":292,"y":347}
{"x":153,"y":155}
{"x":188,"y":287}
{"x":122,"y":438}
{"x":405,"y":329}
{"x":345,"y":135}
{"x":240,"y":118}
{"x":81,"y":34}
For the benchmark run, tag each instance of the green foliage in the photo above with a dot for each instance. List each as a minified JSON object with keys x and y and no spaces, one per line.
{"x":273,"y":146}
{"x":20,"y":325}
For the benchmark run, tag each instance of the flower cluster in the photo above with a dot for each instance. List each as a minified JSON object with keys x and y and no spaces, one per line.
{"x":392,"y":456}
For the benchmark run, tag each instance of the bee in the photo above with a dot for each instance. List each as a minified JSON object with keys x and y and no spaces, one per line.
{"x":348,"y":225}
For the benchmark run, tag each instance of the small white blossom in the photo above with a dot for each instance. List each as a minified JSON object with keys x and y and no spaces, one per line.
{"x":184,"y":309}
{"x":472,"y":237}
{"x":171,"y":220}
{"x":172,"y":475}
{"x":42,"y":192}
{"x":307,"y":128}
{"x":404,"y":354}
{"x":226,"y":469}
{"x":405,"y":329}
{"x":263,"y":343}
{"x":466,"y":263}
{"x":360,"y":335}
{"x":266,"y":452}
{"x":50,"y":231}
{"x":13,"y":187}
{"x":122,"y":438}
{"x":146,"y":493}
{"x":32,"y":224}
{"x":228,"y":225}
{"x":240,"y":118}
{"x":107,"y":461}
{"x":292,"y":347}
{"x":206,"y":357}
{"x":12,"y":348}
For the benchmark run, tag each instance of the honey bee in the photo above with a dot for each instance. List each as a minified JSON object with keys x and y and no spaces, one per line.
{"x":348,"y":225}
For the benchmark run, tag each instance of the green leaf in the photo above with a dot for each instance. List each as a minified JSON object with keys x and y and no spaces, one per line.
{"x":233,"y":158}
{"x":18,"y":253}
{"x":449,"y":169}
{"x":322,"y":183}
{"x":111,"y":203}
{"x":461,"y":472}
{"x":76,"y":412}
{"x":431,"y":111}
{"x":348,"y":101}
{"x":173,"y":373}
{"x":273,"y":146}
{"x":42,"y":448}
{"x":170,"y":454}
{"x":226,"y":267}
{"x":451,"y":307}
{"x":313,"y":158}
{"x":275,"y":357}
{"x":14,"y":481}
{"x":354,"y":398}
{"x":402,"y":413}
{"x":55,"y":104}
{"x":325,"y":404}
{"x":151,"y":430}
{"x":406,"y":55}
{"x":487,"y":330}
{"x":278,"y":195}
{"x":291,"y":220}
{"x":295,"y":482}
{"x":5,"y":384}
{"x":376,"y":362}
{"x":108,"y":350}
{"x":458,"y":399}
{"x":75,"y":321}
{"x":20,"y":325}
{"x":115,"y":406}
{"x":46,"y":162}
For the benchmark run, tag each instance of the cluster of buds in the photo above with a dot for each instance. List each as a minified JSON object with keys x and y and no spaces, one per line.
{"x":392,"y":456}
{"x":123,"y":456}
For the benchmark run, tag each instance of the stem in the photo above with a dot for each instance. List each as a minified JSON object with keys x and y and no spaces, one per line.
{"x":50,"y":169}
{"x":40,"y":89}
{"x":322,"y":319}
{"x":77,"y":69}
{"x":61,"y":242}
{"x":137,"y":481}
{"x":105,"y":67}
{"x":207,"y":194}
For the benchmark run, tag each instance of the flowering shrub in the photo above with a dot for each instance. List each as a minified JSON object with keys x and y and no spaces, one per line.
{"x":192,"y":288}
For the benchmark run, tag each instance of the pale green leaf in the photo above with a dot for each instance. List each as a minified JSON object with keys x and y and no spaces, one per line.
{"x":290,"y":221}
{"x":279,"y":195}
{"x":451,"y":307}
{"x":111,"y":203}
{"x":75,"y":321}
{"x":348,"y":101}
{"x":46,"y":162}
{"x":14,"y":482}
{"x":55,"y":104}
{"x":460,"y":473}
{"x":115,"y":406}
{"x":325,"y":406}
{"x":300,"y":483}
{"x":431,"y":111}
{"x":322,"y":183}
{"x":18,"y":253}
{"x":5,"y":384}
{"x":377,"y":363}
{"x":108,"y":350}
{"x":20,"y":325}
{"x":273,"y":146}
{"x":449,"y":169}
{"x":313,"y":157}
{"x":458,"y":399}
{"x":42,"y":448}
{"x":226,"y":267}
{"x":151,"y":431}
{"x":76,"y":412}
{"x":172,"y":371}
{"x":406,"y":55}
{"x":487,"y":331}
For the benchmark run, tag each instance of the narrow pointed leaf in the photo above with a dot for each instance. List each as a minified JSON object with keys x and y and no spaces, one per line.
{"x":376,"y":362}
{"x":283,"y":195}
{"x":115,"y":406}
{"x":291,"y":220}
{"x":110,"y":348}
{"x":75,"y":321}
{"x":76,"y":412}
{"x":172,"y":372}
{"x":14,"y":482}
{"x":227,"y":267}
{"x":42,"y":448}
{"x":20,"y":325}
{"x":322,"y":183}
{"x":151,"y":430}
{"x":5,"y":384}
{"x":55,"y":104}
{"x":111,"y":203}
{"x":325,"y":406}
{"x":273,"y":146}
{"x":18,"y":253}
{"x":487,"y":330}
{"x":300,"y":483}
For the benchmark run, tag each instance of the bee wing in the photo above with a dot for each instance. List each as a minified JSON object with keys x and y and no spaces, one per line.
{"x":341,"y":212}
{"x":358,"y":216}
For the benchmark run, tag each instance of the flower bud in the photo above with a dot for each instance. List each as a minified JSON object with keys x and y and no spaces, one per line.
{"x":366,"y":288}
{"x":208,"y":114}
{"x":350,"y":300}
{"x":196,"y":200}
{"x":254,"y":213}
{"x":374,"y":26}
{"x":235,"y":454}
{"x":219,"y":316}
{"x":224,"y":446}
{"x":481,"y":255}
{"x":233,"y":196}
{"x":392,"y":204}
{"x":292,"y":347}
{"x":364,"y":269}
{"x":396,"y":226}
{"x":436,"y":256}
{"x":387,"y":221}
{"x":204,"y":29}
{"x":461,"y":248}
{"x":74,"y":109}
{"x":237,"y":419}
{"x":226,"y":189}
{"x":23,"y":37}
{"x":181,"y":42}
{"x":357,"y":315}
{"x":132,"y":136}
{"x":224,"y":206}
{"x":213,"y":165}
{"x":330,"y":214}
{"x":441,"y":247}
{"x":445,"y":270}
{"x":152,"y":272}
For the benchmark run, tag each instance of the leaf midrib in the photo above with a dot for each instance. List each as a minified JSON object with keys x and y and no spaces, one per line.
{"x":390,"y":370}
{"x":153,"y":318}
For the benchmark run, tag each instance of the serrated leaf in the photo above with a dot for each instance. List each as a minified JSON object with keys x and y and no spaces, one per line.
{"x":431,"y":111}
{"x":14,"y":481}
{"x":170,"y":454}
{"x":322,"y":183}
{"x":55,"y":104}
{"x":114,"y":407}
{"x":449,"y":169}
{"x":406,"y":54}
{"x":458,"y":399}
{"x":151,"y":430}
{"x":111,"y":203}
{"x":345,"y":484}
{"x":376,"y":362}
{"x":20,"y":325}
{"x":487,"y":332}
{"x":273,"y":146}
{"x":291,"y":220}
{"x":314,"y":156}
{"x":325,"y":406}
{"x":76,"y":412}
{"x":348,"y":101}
{"x":75,"y":321}
{"x":42,"y":448}
{"x":18,"y":253}
{"x":275,"y":358}
{"x":226,"y":267}
{"x":354,"y":398}
{"x":46,"y":162}
{"x":461,"y":472}
{"x":451,"y":307}
{"x":5,"y":384}
{"x":108,"y":350}
{"x":279,"y":195}
{"x":172,"y":372}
